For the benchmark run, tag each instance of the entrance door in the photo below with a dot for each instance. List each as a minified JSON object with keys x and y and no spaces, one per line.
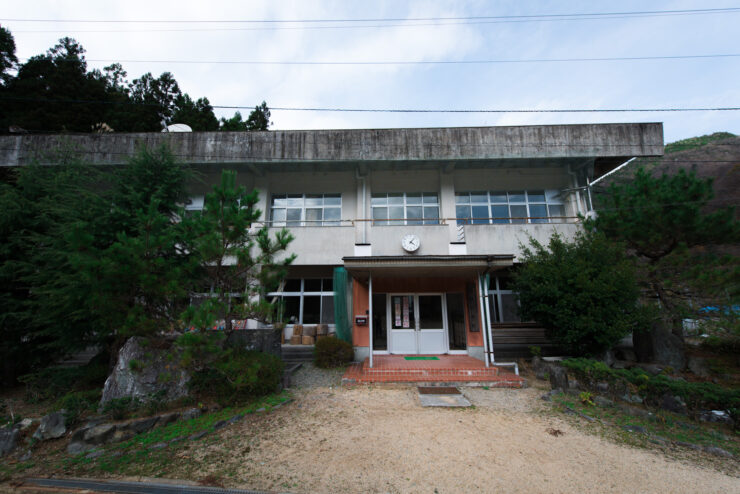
{"x":417,"y":324}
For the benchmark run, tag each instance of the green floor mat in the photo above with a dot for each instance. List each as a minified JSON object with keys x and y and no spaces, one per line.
{"x":421,"y":358}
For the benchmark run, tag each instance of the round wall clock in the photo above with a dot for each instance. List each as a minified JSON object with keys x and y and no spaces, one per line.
{"x":410,"y":242}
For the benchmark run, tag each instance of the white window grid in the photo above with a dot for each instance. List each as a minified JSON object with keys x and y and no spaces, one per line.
{"x":496,"y":294}
{"x":305,"y":210}
{"x":401,"y":208}
{"x":504,"y":207}
{"x":324,"y":291}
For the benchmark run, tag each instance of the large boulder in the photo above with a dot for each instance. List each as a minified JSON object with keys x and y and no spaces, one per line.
{"x":668,"y":349}
{"x":8,"y":440}
{"x":52,"y":426}
{"x":558,"y":377}
{"x":144,"y":370}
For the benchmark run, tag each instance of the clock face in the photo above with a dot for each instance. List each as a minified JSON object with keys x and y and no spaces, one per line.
{"x":410,"y":243}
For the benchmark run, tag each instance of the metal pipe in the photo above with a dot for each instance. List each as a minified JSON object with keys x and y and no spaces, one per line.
{"x":488,"y":317}
{"x":483,"y":317}
{"x":370,"y":316}
{"x":612,"y":172}
{"x":575,"y":185}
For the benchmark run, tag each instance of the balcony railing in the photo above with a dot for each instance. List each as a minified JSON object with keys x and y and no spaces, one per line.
{"x":500,"y":220}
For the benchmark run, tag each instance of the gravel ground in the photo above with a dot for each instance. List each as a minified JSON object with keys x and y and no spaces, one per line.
{"x":380,"y":440}
{"x":310,"y":376}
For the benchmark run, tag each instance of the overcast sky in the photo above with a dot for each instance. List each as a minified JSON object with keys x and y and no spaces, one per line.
{"x":153,"y":47}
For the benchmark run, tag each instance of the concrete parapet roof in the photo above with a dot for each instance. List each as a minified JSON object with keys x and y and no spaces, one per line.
{"x":452,"y":144}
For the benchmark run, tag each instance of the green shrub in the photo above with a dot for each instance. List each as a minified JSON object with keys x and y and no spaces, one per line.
{"x":121,"y":408}
{"x":238,"y":376}
{"x":696,"y":395}
{"x":332,"y":352}
{"x":76,"y":403}
{"x":582,"y":292}
{"x":55,"y":382}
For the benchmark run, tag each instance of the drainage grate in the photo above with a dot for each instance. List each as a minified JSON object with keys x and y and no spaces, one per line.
{"x":438,"y":390}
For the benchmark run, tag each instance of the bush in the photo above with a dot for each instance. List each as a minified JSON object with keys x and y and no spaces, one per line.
{"x":238,"y":376}
{"x":583,"y":293}
{"x":696,"y":395}
{"x":55,"y":382}
{"x":121,"y":408}
{"x":76,"y":403}
{"x":332,"y":352}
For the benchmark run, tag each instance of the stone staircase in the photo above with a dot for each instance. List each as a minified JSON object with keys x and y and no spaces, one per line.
{"x":295,"y":354}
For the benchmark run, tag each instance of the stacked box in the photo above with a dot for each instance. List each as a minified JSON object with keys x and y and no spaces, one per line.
{"x":309,"y":331}
{"x":322,"y":329}
{"x":295,"y":340}
{"x":298,"y":330}
{"x":307,"y":340}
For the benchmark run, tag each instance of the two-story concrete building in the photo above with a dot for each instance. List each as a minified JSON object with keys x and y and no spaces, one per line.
{"x":422,"y":223}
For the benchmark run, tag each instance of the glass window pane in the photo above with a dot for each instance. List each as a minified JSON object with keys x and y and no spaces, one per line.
{"x":291,"y":307}
{"x":333,"y":214}
{"x":295,"y":200}
{"x":462,"y":198}
{"x":380,"y":214}
{"x":332,"y":200}
{"x":395,"y":213}
{"x":538,"y":212}
{"x":195,"y":203}
{"x":499,"y":197}
{"x":379,"y":200}
{"x":311,"y":285}
{"x":327,"y":310}
{"x":556,"y":210}
{"x":312,"y":309}
{"x":402,"y":312}
{"x":313,"y":217}
{"x":553,"y":195}
{"x":430,"y":198}
{"x":501,"y":212}
{"x":516,"y":196}
{"x":314,"y":200}
{"x":462,"y":213}
{"x":279,"y":201}
{"x":430,"y":312}
{"x":536,"y":195}
{"x":294,"y":217}
{"x":292,"y":285}
{"x":327,"y":284}
{"x":413,"y":213}
{"x":431,"y":215}
{"x":479,"y":197}
{"x":395,"y":198}
{"x":509,"y":308}
{"x":413,"y":198}
{"x":480,"y":215}
{"x":519,"y":212}
{"x":278,"y":217}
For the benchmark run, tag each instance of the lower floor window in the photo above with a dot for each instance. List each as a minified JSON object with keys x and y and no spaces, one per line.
{"x":503,"y":301}
{"x":306,"y":301}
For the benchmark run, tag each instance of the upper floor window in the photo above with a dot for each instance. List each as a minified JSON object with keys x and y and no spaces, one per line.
{"x":306,"y":209}
{"x":401,"y":208}
{"x":522,"y":206}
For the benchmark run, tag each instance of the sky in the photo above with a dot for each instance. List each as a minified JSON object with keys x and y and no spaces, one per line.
{"x":156,"y":47}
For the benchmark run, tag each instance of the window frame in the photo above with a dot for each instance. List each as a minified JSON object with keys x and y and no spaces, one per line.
{"x":495,"y":294}
{"x":494,"y":199}
{"x":303,"y":208}
{"x":302,"y":293}
{"x":405,"y":204}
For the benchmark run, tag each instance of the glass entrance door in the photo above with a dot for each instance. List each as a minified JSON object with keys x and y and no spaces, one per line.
{"x":417,"y":324}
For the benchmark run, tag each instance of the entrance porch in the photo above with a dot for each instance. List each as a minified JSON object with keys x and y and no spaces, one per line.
{"x":460,"y":370}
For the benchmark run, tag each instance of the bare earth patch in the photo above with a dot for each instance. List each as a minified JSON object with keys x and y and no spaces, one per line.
{"x":381,"y":440}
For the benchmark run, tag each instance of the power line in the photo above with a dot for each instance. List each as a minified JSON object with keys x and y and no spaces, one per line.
{"x":386,"y":19}
{"x":396,"y":110}
{"x":413,"y":62}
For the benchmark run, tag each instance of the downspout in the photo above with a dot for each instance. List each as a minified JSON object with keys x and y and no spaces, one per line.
{"x":364,"y":204}
{"x":483,"y":319}
{"x":370,"y":316}
{"x":489,"y":329}
{"x":575,"y":186}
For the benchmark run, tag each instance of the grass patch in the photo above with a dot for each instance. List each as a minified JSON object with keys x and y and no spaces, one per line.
{"x":663,"y":425}
{"x":136,"y":455}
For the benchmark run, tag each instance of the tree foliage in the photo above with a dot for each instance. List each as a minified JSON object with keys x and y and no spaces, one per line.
{"x":667,"y":226}
{"x":239,"y":266}
{"x":583,"y":293}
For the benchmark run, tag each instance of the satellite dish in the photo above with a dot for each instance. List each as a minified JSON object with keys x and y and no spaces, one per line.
{"x":177,"y":128}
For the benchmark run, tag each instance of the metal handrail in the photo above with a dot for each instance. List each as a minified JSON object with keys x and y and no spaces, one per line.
{"x":405,"y":221}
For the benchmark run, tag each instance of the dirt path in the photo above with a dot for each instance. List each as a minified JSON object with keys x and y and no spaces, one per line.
{"x":381,"y":440}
